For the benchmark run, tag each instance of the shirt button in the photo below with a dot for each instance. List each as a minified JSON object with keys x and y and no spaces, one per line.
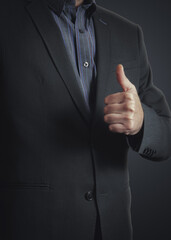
{"x":86,"y":64}
{"x":89,"y":196}
{"x":81,"y":30}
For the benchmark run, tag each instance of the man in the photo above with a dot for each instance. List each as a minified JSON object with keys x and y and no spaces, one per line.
{"x":76,"y":93}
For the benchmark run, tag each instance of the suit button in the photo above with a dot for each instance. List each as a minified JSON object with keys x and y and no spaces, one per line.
{"x":89,"y":196}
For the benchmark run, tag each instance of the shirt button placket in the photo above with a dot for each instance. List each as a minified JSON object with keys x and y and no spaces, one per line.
{"x":81,"y":30}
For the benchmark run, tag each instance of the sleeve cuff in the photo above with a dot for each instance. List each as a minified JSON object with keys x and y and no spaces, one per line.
{"x":134,"y":141}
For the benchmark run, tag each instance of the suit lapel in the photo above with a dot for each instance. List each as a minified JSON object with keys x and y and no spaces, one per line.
{"x":103,"y":57}
{"x":51,"y":35}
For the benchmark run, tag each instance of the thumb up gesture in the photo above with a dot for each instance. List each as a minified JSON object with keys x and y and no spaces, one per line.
{"x":123,"y":111}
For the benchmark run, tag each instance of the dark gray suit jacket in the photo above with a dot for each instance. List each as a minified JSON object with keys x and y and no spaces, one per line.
{"x":52,"y":151}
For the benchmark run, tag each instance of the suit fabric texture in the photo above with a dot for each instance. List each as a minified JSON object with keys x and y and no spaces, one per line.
{"x":60,"y":167}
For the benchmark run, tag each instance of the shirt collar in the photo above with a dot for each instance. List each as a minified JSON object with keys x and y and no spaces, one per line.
{"x":58,"y":5}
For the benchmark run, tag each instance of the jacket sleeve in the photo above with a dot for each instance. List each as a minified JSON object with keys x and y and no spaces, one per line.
{"x":154,"y":140}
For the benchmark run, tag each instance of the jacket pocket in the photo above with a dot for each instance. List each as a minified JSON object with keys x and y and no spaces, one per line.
{"x":24,"y":186}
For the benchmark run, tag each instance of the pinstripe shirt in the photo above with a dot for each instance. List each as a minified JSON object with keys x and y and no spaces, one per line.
{"x":77,"y":29}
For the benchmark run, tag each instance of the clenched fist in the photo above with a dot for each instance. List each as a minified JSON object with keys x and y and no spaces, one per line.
{"x":123,"y":111}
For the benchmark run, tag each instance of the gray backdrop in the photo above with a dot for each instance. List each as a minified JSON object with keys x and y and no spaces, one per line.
{"x":150,"y":181}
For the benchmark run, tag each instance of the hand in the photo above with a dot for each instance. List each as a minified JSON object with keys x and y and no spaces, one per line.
{"x":123,"y":110}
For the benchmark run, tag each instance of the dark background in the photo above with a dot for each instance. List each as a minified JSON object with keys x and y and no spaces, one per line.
{"x":150,"y":181}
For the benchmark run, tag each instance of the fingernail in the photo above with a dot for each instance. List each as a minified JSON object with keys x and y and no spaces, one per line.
{"x":121,"y":66}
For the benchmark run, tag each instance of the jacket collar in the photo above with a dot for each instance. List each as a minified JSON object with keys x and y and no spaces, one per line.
{"x":58,"y":5}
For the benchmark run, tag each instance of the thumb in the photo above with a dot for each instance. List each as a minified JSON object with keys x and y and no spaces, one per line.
{"x":122,"y":79}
